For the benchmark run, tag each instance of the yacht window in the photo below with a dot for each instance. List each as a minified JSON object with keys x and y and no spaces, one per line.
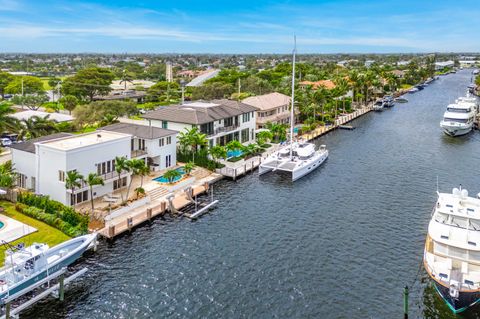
{"x":475,"y":224}
{"x":439,"y":248}
{"x":469,"y":282}
{"x":474,"y":256}
{"x":460,"y":222}
{"x":457,"y":252}
{"x":456,"y":120}
{"x":450,"y":206}
{"x":472,"y":243}
{"x":470,"y":210}
{"x":455,"y":110}
{"x":442,"y":275}
{"x":441,"y":218}
{"x":444,"y":237}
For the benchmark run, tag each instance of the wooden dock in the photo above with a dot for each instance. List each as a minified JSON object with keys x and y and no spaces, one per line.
{"x":137,"y":216}
{"x":241,"y":169}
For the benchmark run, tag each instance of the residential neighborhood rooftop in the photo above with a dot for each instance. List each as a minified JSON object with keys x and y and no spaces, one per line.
{"x":25,"y":115}
{"x":200,"y":112}
{"x":137,"y":130}
{"x":268,"y":101}
{"x":29,"y":146}
{"x":76,"y":141}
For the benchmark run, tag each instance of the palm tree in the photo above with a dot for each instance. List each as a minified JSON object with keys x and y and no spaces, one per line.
{"x":121,"y":167}
{"x":279,"y":131}
{"x":191,"y":139}
{"x":264,"y":137}
{"x":7,"y":176}
{"x":217,"y":152}
{"x":234,"y":146}
{"x":6,"y":121}
{"x":171,"y":175}
{"x":37,"y":126}
{"x":93,"y":180}
{"x":136,"y":166}
{"x":73,"y":180}
{"x":188,"y":167}
{"x":108,"y":119}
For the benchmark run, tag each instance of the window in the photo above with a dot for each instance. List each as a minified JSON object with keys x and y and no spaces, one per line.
{"x":169,"y":140}
{"x":61,"y":176}
{"x":164,"y":124}
{"x":122,"y":183}
{"x":228,"y":122}
{"x":161,"y":142}
{"x":81,"y":197}
{"x":246,"y":117}
{"x":33,"y":180}
{"x":245,"y":135}
{"x":168,"y":161}
{"x":21,"y":180}
{"x":109,"y":168}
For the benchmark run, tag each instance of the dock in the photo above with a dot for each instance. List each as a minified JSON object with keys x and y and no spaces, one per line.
{"x":241,"y":168}
{"x":173,"y":204}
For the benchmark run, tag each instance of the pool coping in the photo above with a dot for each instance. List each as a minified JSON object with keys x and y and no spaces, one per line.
{"x":13,"y":229}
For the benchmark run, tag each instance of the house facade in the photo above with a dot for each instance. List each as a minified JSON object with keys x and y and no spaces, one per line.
{"x":221,"y":120}
{"x":272,"y":107}
{"x":42,"y":164}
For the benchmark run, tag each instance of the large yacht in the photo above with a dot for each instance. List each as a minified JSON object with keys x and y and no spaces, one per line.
{"x":459,"y":117}
{"x":297,"y":157}
{"x":452,"y":249}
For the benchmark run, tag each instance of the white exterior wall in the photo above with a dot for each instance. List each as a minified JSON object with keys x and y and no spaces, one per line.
{"x":51,"y":160}
{"x":157,"y":152}
{"x":24,"y":163}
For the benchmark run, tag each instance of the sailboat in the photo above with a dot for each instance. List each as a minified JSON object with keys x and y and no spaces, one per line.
{"x":297,"y":156}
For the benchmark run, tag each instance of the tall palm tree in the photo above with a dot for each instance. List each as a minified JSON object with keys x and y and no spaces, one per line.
{"x":136,"y":166}
{"x":93,"y":180}
{"x":73,"y":180}
{"x":36,"y":126}
{"x":6,"y":121}
{"x":217,"y":152}
{"x":121,"y":166}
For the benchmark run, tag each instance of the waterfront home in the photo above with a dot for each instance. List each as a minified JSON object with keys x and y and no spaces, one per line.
{"x":58,"y":117}
{"x":443,"y":65}
{"x":273,"y":107}
{"x":157,"y":146}
{"x":328,"y":84}
{"x":221,"y":120}
{"x":42,"y":164}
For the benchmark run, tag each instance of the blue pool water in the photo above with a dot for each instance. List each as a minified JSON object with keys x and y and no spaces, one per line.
{"x":295,"y":130}
{"x":1,"y":225}
{"x":162,"y":179}
{"x":235,"y":153}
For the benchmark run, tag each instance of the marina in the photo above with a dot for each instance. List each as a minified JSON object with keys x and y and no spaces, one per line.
{"x":257,"y":243}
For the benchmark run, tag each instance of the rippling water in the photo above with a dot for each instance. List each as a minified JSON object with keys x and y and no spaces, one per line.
{"x":341,"y":242}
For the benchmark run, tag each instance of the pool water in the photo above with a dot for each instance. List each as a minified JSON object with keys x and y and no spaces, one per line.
{"x":235,"y":153}
{"x":162,"y":179}
{"x":1,"y":225}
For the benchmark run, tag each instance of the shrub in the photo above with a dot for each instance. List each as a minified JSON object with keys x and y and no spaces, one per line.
{"x":235,"y":159}
{"x":53,"y":213}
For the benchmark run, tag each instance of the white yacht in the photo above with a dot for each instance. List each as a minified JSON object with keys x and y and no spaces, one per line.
{"x":25,"y":266}
{"x":452,"y":249}
{"x":297,"y":157}
{"x":378,"y":105}
{"x":459,"y":117}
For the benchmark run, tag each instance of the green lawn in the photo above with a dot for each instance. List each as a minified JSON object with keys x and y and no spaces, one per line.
{"x":44,"y":234}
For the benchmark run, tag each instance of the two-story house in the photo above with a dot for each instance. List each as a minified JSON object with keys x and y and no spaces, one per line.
{"x":221,"y":120}
{"x":272,"y":107}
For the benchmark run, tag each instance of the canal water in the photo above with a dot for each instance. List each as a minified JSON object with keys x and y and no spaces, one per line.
{"x":341,"y":242}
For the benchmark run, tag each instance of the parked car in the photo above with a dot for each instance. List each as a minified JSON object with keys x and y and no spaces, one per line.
{"x":5,"y":142}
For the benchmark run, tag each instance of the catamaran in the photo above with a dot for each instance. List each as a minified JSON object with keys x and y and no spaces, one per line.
{"x":452,"y":249}
{"x":297,"y":157}
{"x":25,"y":266}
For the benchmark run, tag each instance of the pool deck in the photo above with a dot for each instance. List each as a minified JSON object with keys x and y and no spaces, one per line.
{"x":13,"y":229}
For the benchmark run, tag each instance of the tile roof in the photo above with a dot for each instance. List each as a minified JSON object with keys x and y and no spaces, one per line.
{"x":328,"y":84}
{"x":141,"y":131}
{"x":200,"y":112}
{"x":268,"y":101}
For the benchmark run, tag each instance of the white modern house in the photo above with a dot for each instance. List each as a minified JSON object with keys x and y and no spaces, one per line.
{"x":221,"y":120}
{"x":273,"y":107}
{"x":42,"y":164}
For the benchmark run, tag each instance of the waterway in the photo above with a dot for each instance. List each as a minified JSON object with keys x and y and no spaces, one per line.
{"x":341,"y":242}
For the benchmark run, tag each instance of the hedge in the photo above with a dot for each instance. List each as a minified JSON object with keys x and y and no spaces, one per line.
{"x":53,"y":213}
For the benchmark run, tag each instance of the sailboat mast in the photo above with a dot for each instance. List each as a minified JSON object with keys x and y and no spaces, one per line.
{"x":292,"y":111}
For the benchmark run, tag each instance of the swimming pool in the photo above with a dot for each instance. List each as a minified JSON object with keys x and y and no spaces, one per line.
{"x":235,"y":153}
{"x":1,"y":225}
{"x":162,"y":179}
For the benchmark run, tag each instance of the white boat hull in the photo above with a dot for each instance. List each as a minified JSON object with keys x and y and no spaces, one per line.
{"x":310,"y":165}
{"x":455,"y":130}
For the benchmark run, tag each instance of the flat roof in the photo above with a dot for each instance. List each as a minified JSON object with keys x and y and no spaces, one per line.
{"x":78,"y":141}
{"x":29,"y":146}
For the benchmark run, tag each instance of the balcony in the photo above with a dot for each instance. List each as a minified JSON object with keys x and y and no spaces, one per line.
{"x":138,"y":153}
{"x":107,"y":177}
{"x":226,"y":129}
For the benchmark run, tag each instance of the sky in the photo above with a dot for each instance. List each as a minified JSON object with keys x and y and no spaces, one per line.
{"x":247,"y":26}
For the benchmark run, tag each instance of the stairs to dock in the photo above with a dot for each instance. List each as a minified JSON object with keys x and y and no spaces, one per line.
{"x":156,"y":193}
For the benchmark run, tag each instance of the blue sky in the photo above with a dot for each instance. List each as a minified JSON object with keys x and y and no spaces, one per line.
{"x":246,"y":26}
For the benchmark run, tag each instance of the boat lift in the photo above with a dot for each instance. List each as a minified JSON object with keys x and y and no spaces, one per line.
{"x":57,"y":289}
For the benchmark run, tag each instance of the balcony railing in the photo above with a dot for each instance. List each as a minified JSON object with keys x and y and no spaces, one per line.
{"x":138,"y":153}
{"x":106,"y":177}
{"x":226,"y":129}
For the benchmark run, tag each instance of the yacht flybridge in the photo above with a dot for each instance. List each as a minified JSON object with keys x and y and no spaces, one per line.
{"x":459,"y":117}
{"x":297,"y":157}
{"x":452,"y":249}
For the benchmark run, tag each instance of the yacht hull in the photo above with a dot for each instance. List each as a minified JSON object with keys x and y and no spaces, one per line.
{"x":54,"y":267}
{"x":310,"y":167}
{"x":454,"y":131}
{"x":464,"y":301}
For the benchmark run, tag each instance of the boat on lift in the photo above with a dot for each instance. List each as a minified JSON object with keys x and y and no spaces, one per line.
{"x":25,"y":266}
{"x":378,"y":106}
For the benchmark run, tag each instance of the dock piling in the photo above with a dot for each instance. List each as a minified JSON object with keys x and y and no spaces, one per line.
{"x":405,"y":302}
{"x":61,"y":287}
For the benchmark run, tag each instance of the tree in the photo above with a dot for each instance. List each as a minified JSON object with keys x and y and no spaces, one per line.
{"x":127,"y":77}
{"x":93,"y":180}
{"x":6,"y":121}
{"x":211,"y":91}
{"x":121,"y":167}
{"x":5,"y":79}
{"x":217,"y":152}
{"x":191,"y":139}
{"x":73,"y":180}
{"x":137,"y":167}
{"x":234,"y":146}
{"x":95,"y":112}
{"x":69,"y":103}
{"x":31,"y":101}
{"x":31,"y":85}
{"x":7,"y":176}
{"x":108,"y":119}
{"x":279,"y":131}
{"x":163,"y":91}
{"x":36,"y":126}
{"x":264,"y":137}
{"x":254,"y":84}
{"x":171,"y":175}
{"x":188,"y":167}
{"x":88,"y":83}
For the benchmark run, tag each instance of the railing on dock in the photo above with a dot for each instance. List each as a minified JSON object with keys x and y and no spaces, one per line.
{"x":241,"y":168}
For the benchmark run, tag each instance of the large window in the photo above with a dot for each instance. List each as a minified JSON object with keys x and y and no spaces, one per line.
{"x":105,"y":167}
{"x":228,"y":122}
{"x":61,"y":176}
{"x":245,"y":135}
{"x":119,"y":184}
{"x":207,"y":128}
{"x":246,"y":117}
{"x":80,"y":197}
{"x":169,"y":140}
{"x":161,"y":142}
{"x":164,"y":124}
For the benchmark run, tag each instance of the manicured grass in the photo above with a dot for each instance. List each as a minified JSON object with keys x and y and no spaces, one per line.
{"x":44,"y":234}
